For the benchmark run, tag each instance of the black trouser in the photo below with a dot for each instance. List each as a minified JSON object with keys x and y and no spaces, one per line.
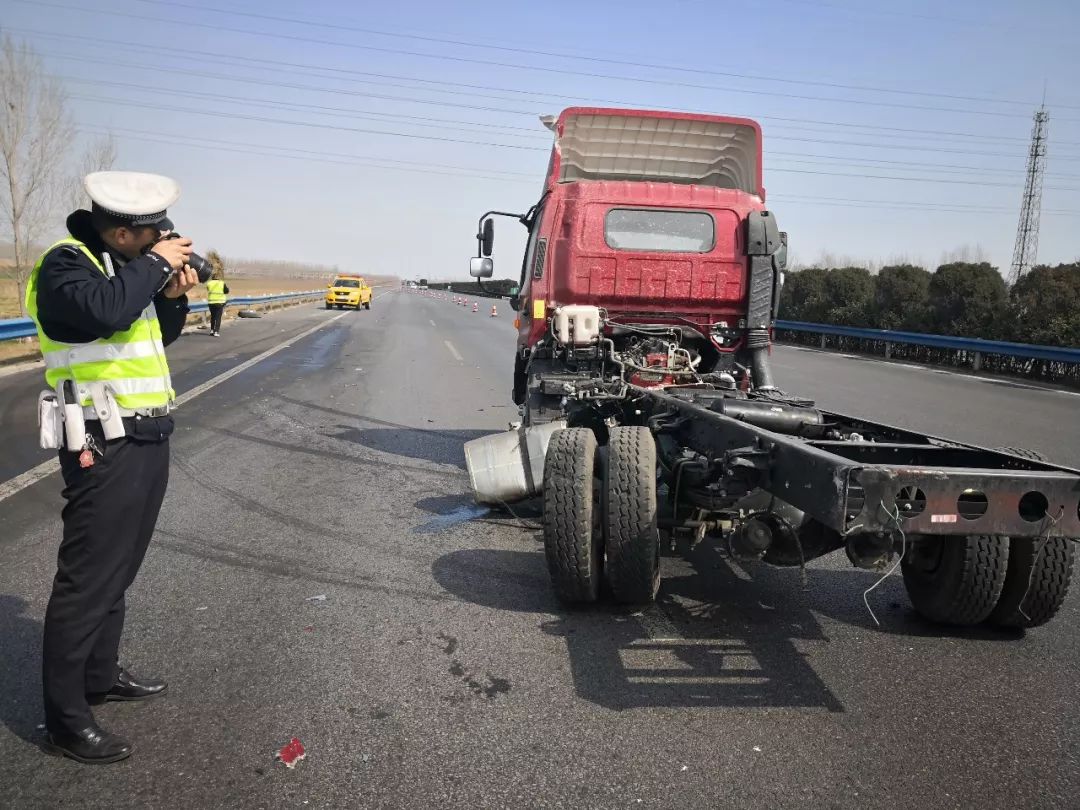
{"x":109,"y":518}
{"x":215,"y":316}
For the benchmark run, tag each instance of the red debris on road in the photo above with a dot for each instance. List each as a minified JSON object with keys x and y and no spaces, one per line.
{"x":292,"y":753}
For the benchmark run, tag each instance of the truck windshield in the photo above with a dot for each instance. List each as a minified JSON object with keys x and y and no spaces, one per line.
{"x":347,"y":282}
{"x":651,"y":230}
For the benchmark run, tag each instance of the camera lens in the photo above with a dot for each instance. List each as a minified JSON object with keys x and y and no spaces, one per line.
{"x":201,"y":267}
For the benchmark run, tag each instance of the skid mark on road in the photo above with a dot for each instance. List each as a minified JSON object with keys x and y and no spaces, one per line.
{"x":288,"y":569}
{"x":21,"y":482}
{"x":453,"y":351}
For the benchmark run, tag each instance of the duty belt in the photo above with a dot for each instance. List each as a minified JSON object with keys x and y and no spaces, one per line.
{"x":90,"y":414}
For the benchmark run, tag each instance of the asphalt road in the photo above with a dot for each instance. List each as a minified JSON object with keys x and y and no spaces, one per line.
{"x":439,"y":671}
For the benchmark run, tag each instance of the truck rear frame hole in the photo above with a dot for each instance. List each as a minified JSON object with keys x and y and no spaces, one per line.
{"x":911,"y":501}
{"x":972,"y":504}
{"x":1033,"y":506}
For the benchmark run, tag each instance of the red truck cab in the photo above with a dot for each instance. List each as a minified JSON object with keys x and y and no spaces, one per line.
{"x":645,"y":215}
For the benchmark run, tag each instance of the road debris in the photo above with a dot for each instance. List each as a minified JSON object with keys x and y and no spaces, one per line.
{"x":202,"y":607}
{"x":292,"y":753}
{"x":317,"y":598}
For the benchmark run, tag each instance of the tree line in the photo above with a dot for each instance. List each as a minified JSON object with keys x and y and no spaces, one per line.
{"x":962,"y":299}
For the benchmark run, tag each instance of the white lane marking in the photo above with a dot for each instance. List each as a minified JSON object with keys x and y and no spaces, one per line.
{"x":453,"y":351}
{"x":432,"y":323}
{"x":46,"y":468}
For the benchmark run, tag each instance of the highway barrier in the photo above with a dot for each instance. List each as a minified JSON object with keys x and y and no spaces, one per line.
{"x":13,"y":328}
{"x":1051,"y":363}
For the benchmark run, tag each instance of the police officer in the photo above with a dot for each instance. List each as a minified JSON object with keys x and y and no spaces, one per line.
{"x":106,"y":301}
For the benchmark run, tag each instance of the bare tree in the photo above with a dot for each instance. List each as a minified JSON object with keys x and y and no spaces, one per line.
{"x":968,"y":254}
{"x":100,"y":156}
{"x":35,"y":133}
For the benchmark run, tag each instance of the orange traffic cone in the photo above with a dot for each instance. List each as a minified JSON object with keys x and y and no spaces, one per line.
{"x":494,"y":311}
{"x":475,"y":307}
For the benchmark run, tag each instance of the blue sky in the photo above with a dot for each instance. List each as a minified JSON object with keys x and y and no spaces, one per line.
{"x":371,"y":135}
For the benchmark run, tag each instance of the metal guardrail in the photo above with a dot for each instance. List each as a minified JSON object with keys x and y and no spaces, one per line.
{"x":13,"y":328}
{"x":974,"y":346}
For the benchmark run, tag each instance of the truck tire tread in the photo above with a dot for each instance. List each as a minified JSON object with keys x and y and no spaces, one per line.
{"x":1037,"y":582}
{"x":572,"y":547}
{"x":967,"y":583}
{"x":632,"y":541}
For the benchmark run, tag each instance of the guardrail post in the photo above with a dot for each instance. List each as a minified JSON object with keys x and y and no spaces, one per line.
{"x":888,"y":350}
{"x":823,"y":340}
{"x":976,"y":361}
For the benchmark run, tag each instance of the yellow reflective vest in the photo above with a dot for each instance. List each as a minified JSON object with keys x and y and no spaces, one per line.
{"x":215,"y":292}
{"x":131,"y":364}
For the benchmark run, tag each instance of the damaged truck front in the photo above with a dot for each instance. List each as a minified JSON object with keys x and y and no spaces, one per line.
{"x":650,"y":415}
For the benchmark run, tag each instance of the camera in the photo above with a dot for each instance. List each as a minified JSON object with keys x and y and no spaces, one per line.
{"x":196,"y":262}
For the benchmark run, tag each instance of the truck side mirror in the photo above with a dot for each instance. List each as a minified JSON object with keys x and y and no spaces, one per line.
{"x":487,"y":237}
{"x":515,"y":303}
{"x":481,"y":267}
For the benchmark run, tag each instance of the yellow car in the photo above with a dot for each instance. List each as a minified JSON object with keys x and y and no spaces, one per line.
{"x":348,"y":291}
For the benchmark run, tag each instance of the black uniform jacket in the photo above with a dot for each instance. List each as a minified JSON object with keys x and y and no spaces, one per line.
{"x":78,"y":303}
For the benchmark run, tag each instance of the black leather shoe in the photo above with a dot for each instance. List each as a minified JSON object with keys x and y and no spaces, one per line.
{"x":128,"y":687}
{"x":91,"y":746}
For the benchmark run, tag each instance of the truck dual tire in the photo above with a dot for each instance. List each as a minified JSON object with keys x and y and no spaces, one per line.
{"x":573,"y":542}
{"x":1040,"y":570}
{"x":1037,"y":581}
{"x":629,"y":504}
{"x":956,"y":579}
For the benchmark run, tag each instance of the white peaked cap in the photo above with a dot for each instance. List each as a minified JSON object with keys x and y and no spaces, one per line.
{"x":140,"y":197}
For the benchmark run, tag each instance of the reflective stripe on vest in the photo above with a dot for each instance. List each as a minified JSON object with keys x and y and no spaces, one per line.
{"x":215,"y":292}
{"x":131,"y":363}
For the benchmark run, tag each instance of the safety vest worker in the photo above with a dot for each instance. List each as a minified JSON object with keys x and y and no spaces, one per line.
{"x":217,"y":295}
{"x":216,"y":291}
{"x":106,"y":302}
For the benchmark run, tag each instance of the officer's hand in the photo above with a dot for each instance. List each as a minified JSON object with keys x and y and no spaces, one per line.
{"x":182,"y":281}
{"x":174,"y":251}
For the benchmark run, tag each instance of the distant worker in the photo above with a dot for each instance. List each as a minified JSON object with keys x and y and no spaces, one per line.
{"x":217,"y":294}
{"x":106,"y":301}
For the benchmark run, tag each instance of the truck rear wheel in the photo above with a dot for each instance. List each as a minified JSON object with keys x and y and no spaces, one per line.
{"x":633,"y":542}
{"x":956,"y":579}
{"x":1037,"y":581}
{"x":1039,"y":573}
{"x":573,"y":543}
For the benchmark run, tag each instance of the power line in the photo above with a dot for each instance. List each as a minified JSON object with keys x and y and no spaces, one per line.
{"x":885,"y":145}
{"x":274,"y":66}
{"x":315,"y":152}
{"x":261,"y":119}
{"x":539,"y":68}
{"x":581,"y":57}
{"x":425,"y":121}
{"x":368,"y":115}
{"x":363,"y":161}
{"x":233,"y":115}
{"x":310,"y":156}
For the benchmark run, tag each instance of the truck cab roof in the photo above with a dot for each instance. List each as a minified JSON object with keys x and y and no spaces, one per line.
{"x":600,"y":143}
